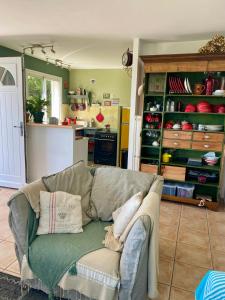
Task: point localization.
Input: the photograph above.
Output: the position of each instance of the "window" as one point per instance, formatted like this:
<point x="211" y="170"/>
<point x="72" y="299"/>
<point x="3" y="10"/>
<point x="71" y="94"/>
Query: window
<point x="46" y="87"/>
<point x="6" y="78"/>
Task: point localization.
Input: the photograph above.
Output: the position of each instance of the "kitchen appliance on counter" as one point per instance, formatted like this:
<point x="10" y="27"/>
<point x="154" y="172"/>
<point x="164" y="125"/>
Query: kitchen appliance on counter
<point x="105" y="150"/>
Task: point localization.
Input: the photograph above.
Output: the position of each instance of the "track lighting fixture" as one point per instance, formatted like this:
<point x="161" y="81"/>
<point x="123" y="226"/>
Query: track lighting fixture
<point x="43" y="50"/>
<point x="52" y="50"/>
<point x="41" y="47"/>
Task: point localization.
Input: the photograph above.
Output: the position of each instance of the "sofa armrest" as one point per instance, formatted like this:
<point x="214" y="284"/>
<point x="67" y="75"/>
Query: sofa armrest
<point x="134" y="261"/>
<point x="18" y="222"/>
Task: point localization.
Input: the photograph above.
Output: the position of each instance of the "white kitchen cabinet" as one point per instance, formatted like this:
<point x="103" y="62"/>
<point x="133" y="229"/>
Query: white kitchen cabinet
<point x="52" y="148"/>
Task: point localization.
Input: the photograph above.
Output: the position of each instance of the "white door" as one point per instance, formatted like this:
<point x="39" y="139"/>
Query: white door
<point x="12" y="150"/>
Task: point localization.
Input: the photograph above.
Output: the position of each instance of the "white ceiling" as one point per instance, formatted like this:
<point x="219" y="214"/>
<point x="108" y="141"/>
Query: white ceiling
<point x="94" y="33"/>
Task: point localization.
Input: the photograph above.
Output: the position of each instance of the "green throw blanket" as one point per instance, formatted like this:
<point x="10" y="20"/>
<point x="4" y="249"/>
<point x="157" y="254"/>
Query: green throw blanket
<point x="50" y="256"/>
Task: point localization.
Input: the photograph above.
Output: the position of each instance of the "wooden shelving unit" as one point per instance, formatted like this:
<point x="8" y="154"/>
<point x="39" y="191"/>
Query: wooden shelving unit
<point x="193" y="67"/>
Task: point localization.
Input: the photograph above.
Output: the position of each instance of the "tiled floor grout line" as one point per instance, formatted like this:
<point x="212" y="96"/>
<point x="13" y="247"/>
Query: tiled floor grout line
<point x="210" y="248"/>
<point x="178" y="227"/>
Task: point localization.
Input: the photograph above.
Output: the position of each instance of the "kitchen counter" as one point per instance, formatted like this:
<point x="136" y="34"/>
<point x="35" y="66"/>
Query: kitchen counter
<point x="76" y="127"/>
<point x="52" y="148"/>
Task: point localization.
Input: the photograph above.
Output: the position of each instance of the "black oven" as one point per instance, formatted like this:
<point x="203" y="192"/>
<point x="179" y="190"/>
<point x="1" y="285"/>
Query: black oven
<point x="105" y="151"/>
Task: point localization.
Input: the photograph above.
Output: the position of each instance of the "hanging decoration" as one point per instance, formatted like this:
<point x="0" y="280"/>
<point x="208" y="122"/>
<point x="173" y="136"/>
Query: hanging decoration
<point x="215" y="46"/>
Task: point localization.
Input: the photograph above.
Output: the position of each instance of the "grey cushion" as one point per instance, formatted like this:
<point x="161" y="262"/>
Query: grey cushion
<point x="76" y="180"/>
<point x="112" y="187"/>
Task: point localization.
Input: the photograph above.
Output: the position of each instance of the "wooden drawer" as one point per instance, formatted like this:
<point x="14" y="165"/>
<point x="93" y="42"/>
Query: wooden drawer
<point x="177" y="134"/>
<point x="149" y="168"/>
<point x="205" y="136"/>
<point x="175" y="173"/>
<point x="178" y="144"/>
<point x="207" y="146"/>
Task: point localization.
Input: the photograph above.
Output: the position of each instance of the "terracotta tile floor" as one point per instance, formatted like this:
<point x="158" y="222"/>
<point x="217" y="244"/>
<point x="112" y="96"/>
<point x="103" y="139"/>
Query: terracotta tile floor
<point x="192" y="240"/>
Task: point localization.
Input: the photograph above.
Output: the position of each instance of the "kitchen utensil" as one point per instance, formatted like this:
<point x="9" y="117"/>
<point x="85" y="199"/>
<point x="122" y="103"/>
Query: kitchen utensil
<point x="166" y="157"/>
<point x="188" y="86"/>
<point x="214" y="127"/>
<point x="219" y="93"/>
<point x="201" y="127"/>
<point x="100" y="118"/>
<point x="204" y="107"/>
<point x="155" y="143"/>
<point x="211" y="84"/>
<point x="190" y="108"/>
<point x="187" y="126"/>
<point x="222" y="83"/>
<point x="74" y="107"/>
<point x="71" y="92"/>
<point x="199" y="88"/>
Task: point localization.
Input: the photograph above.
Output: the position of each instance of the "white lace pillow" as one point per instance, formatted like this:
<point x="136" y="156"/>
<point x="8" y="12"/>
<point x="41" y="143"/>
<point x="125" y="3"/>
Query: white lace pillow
<point x="124" y="214"/>
<point x="60" y="212"/>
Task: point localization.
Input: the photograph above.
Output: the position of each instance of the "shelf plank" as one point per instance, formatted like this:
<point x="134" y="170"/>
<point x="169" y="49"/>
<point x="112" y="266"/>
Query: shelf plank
<point x="194" y="96"/>
<point x="151" y="129"/>
<point x="154" y="94"/>
<point x="204" y="167"/>
<point x="150" y="146"/>
<point x="150" y="157"/>
<point x="193" y="113"/>
<point x="211" y="205"/>
<point x="212" y="184"/>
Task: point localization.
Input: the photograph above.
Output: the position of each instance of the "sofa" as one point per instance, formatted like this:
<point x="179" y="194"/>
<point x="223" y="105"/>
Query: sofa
<point x="103" y="274"/>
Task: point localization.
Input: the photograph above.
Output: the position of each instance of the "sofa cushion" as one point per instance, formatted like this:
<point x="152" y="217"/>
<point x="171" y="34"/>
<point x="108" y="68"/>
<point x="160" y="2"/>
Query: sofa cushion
<point x="112" y="187"/>
<point x="76" y="180"/>
<point x="60" y="213"/>
<point x="124" y="214"/>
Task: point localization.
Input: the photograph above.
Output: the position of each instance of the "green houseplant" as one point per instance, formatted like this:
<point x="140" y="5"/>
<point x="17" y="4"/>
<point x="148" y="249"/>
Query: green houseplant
<point x="35" y="106"/>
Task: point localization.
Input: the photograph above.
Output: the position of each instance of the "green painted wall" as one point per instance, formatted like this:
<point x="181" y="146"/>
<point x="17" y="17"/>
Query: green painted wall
<point x="39" y="65"/>
<point x="113" y="81"/>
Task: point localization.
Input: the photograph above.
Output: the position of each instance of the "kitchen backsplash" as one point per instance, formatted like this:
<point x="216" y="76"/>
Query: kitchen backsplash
<point x="111" y="115"/>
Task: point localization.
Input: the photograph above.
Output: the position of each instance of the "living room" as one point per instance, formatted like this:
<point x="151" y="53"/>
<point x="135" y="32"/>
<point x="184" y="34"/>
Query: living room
<point x="112" y="123"/>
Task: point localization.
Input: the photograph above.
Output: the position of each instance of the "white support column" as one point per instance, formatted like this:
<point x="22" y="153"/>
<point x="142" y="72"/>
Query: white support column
<point x="135" y="108"/>
<point x="131" y="147"/>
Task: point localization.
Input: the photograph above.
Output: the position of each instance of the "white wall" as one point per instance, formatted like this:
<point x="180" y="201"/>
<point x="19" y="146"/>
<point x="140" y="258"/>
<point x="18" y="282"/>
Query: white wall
<point x="153" y="48"/>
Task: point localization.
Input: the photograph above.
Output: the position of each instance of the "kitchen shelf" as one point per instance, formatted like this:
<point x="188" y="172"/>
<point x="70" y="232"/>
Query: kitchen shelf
<point x="203" y="167"/>
<point x="78" y="97"/>
<point x="194" y="96"/>
<point x="154" y="94"/>
<point x="193" y="113"/>
<point x="210" y="184"/>
<point x="213" y="205"/>
<point x="150" y="158"/>
<point x="152" y="112"/>
<point x="151" y="129"/>
<point x="150" y="146"/>
<point x="169" y="67"/>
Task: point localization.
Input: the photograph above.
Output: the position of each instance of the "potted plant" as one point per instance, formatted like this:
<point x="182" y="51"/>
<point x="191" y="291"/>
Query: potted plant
<point x="35" y="106"/>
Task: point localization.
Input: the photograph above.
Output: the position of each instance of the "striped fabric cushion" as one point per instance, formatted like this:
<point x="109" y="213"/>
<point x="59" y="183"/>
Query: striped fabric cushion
<point x="212" y="286"/>
<point x="60" y="212"/>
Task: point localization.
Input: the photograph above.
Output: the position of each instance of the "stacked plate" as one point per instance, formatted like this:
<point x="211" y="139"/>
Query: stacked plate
<point x="214" y="127"/>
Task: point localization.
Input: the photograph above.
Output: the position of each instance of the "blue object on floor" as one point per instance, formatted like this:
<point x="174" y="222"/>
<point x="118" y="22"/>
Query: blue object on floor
<point x="211" y="287"/>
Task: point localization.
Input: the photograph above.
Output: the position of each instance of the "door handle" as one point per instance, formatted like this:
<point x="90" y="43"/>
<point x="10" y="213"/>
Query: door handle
<point x="20" y="127"/>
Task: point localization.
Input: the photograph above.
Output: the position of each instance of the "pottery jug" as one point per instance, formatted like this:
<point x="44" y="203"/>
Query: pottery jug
<point x="199" y="88"/>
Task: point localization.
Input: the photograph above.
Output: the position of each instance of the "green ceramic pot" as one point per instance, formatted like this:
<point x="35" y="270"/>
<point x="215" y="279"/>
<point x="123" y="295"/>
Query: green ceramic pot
<point x="38" y="117"/>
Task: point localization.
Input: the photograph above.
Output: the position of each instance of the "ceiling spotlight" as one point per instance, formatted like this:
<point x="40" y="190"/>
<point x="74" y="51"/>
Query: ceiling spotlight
<point x="43" y="50"/>
<point x="52" y="50"/>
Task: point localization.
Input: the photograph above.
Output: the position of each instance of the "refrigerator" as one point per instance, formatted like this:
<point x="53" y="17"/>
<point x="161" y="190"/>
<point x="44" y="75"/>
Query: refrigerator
<point x="124" y="136"/>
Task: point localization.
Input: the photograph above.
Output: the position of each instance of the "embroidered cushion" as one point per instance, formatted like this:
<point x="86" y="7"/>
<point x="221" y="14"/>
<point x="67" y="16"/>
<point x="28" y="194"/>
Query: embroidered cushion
<point x="60" y="212"/>
<point x="124" y="214"/>
<point x="76" y="180"/>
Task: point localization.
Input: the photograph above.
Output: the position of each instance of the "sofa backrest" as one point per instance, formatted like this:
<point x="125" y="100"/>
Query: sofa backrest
<point x="112" y="187"/>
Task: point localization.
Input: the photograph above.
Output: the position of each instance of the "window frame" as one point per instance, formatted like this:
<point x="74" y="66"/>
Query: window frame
<point x="45" y="76"/>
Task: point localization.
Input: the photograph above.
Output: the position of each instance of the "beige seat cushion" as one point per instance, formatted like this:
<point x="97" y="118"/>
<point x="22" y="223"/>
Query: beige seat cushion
<point x="97" y="275"/>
